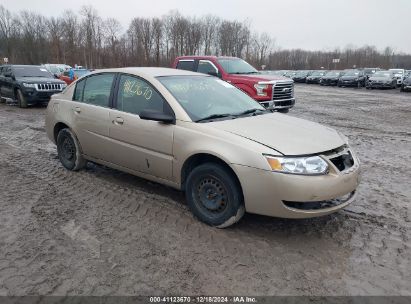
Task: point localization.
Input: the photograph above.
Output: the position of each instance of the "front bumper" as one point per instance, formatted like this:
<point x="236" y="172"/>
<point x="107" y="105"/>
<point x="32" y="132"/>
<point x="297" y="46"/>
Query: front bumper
<point x="285" y="195"/>
<point x="34" y="96"/>
<point x="313" y="80"/>
<point x="406" y="87"/>
<point x="379" y="85"/>
<point x="279" y="104"/>
<point x="348" y="83"/>
<point x="330" y="82"/>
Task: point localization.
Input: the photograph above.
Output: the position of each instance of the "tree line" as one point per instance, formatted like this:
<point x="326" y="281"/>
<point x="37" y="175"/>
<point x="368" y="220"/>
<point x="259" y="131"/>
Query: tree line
<point x="87" y="39"/>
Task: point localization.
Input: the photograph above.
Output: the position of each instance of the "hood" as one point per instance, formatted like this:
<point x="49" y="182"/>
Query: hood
<point x="39" y="80"/>
<point x="330" y="77"/>
<point x="283" y="133"/>
<point x="255" y="77"/>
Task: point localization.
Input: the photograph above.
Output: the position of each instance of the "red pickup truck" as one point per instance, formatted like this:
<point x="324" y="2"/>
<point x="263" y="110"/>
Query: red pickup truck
<point x="273" y="92"/>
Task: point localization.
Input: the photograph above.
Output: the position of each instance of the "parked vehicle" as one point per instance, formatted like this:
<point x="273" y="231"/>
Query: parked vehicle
<point x="56" y="69"/>
<point x="406" y="84"/>
<point x="381" y="80"/>
<point x="331" y="78"/>
<point x="290" y="74"/>
<point x="353" y="78"/>
<point x="76" y="74"/>
<point x="202" y="135"/>
<point x="277" y="73"/>
<point x="315" y="77"/>
<point x="370" y="71"/>
<point x="399" y="73"/>
<point x="273" y="92"/>
<point x="301" y="76"/>
<point x="28" y="84"/>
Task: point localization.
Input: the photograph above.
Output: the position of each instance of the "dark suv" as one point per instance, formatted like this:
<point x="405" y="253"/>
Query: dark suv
<point x="28" y="84"/>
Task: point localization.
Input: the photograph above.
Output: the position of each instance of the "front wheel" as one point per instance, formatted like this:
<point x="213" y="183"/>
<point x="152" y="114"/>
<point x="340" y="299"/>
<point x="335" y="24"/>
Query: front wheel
<point x="21" y="100"/>
<point x="284" y="111"/>
<point x="68" y="150"/>
<point x="214" y="196"/>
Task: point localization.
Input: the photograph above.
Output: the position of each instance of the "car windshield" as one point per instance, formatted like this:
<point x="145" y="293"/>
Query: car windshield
<point x="352" y="73"/>
<point x="318" y="74"/>
<point x="236" y="66"/>
<point x="31" y="71"/>
<point x="382" y="74"/>
<point x="333" y="73"/>
<point x="203" y="97"/>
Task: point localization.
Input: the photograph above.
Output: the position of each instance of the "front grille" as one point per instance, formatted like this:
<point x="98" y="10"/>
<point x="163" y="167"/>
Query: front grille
<point x="283" y="90"/>
<point x="49" y="87"/>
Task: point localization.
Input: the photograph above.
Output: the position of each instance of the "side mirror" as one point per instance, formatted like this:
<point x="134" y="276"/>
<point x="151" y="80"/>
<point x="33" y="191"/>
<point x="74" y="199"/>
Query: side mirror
<point x="157" y="116"/>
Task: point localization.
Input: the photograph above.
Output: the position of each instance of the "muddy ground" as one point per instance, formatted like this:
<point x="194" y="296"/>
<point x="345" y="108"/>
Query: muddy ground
<point x="100" y="231"/>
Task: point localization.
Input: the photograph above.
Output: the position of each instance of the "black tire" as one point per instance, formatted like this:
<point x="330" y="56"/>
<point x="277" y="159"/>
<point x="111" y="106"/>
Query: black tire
<point x="68" y="150"/>
<point x="359" y="85"/>
<point x="284" y="111"/>
<point x="214" y="196"/>
<point x="1" y="98"/>
<point x="401" y="90"/>
<point x="21" y="100"/>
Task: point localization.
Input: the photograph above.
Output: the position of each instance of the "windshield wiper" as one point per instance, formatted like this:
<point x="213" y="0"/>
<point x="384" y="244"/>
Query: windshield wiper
<point x="213" y="116"/>
<point x="251" y="111"/>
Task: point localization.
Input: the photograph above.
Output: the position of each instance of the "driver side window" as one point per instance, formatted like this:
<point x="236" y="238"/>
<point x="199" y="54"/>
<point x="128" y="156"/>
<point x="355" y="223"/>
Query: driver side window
<point x="136" y="95"/>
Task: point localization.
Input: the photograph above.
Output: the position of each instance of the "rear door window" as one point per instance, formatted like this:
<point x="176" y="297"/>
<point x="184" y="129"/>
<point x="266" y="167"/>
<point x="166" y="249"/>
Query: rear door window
<point x="97" y="89"/>
<point x="78" y="91"/>
<point x="186" y="65"/>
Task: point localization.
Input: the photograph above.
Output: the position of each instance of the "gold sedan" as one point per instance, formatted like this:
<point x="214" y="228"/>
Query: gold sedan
<point x="202" y="135"/>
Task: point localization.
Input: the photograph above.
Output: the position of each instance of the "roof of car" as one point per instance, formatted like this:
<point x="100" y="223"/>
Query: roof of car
<point x="150" y="71"/>
<point x="205" y="57"/>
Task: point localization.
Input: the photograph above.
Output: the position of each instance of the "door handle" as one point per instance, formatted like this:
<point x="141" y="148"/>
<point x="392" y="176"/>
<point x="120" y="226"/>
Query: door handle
<point x="77" y="109"/>
<point x="118" y="121"/>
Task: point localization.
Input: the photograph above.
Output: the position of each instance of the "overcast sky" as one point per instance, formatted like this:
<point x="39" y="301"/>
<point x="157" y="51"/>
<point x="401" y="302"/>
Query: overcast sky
<point x="307" y="24"/>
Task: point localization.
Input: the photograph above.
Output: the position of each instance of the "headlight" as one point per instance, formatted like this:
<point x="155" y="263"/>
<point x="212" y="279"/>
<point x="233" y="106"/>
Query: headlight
<point x="260" y="89"/>
<point x="63" y="85"/>
<point x="29" y="85"/>
<point x="312" y="165"/>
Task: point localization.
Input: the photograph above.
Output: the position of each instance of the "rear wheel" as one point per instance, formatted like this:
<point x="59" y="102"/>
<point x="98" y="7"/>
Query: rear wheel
<point x="21" y="100"/>
<point x="68" y="150"/>
<point x="214" y="195"/>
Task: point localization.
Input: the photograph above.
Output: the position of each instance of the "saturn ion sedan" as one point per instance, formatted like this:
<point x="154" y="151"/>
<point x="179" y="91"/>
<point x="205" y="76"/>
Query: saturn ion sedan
<point x="202" y="135"/>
